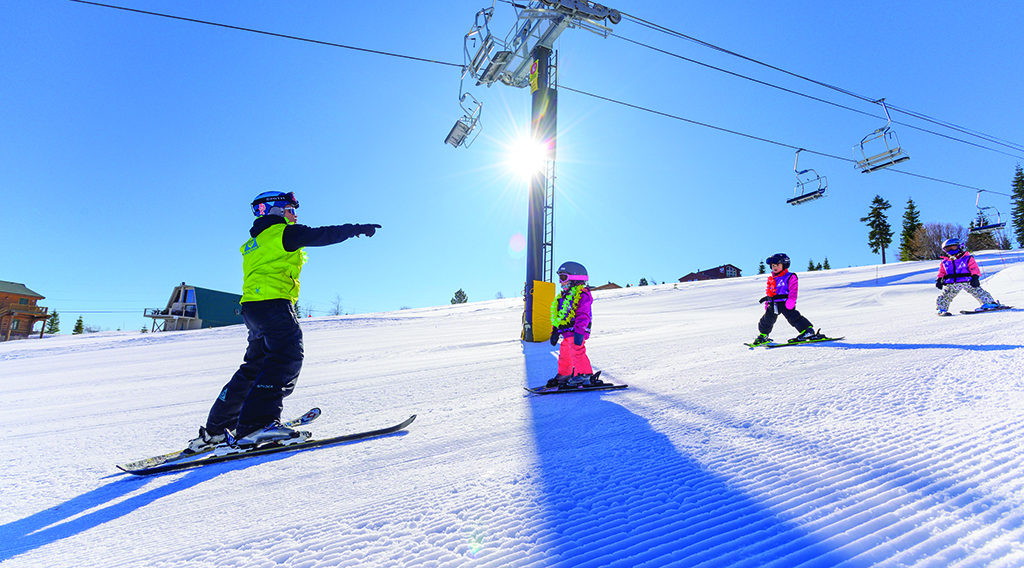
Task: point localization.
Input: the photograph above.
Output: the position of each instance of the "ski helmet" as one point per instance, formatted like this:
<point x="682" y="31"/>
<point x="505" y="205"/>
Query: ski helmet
<point x="778" y="258"/>
<point x="266" y="202"/>
<point x="951" y="243"/>
<point x="572" y="271"/>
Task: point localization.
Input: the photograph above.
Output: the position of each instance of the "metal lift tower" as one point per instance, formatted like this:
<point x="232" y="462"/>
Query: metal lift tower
<point x="524" y="59"/>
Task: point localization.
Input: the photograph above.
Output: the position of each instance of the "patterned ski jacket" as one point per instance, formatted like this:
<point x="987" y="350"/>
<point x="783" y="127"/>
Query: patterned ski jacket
<point x="782" y="288"/>
<point x="958" y="268"/>
<point x="581" y="323"/>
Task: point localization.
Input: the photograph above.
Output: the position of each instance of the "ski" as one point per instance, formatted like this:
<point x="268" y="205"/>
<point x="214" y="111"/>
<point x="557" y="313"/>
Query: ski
<point x="981" y="311"/>
<point x="773" y="345"/>
<point x="270" y="448"/>
<point x="556" y="390"/>
<point x="154" y="461"/>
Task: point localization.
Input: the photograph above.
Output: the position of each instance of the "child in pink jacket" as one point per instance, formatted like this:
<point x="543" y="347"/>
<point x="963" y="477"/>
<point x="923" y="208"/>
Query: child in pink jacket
<point x="570" y="320"/>
<point x="782" y="289"/>
<point x="958" y="271"/>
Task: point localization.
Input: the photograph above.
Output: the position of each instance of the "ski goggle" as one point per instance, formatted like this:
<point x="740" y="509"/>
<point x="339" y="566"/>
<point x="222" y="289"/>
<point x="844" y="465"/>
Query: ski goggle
<point x="290" y="210"/>
<point x="563" y="277"/>
<point x="288" y="198"/>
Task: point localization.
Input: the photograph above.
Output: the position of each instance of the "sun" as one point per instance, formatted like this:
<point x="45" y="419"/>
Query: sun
<point x="526" y="157"/>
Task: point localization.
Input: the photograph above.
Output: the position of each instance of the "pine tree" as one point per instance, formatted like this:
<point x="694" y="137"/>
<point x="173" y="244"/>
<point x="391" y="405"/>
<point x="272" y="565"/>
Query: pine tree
<point x="911" y="222"/>
<point x="460" y="297"/>
<point x="79" y="327"/>
<point x="643" y="282"/>
<point x="810" y="265"/>
<point x="826" y="266"/>
<point x="761" y="268"/>
<point x="53" y="324"/>
<point x="881" y="233"/>
<point x="1017" y="213"/>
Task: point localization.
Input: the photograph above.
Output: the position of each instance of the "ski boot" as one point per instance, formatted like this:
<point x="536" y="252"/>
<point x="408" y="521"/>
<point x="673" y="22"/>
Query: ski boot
<point x="273" y="432"/>
<point x="806" y="335"/>
<point x="556" y="381"/>
<point x="206" y="441"/>
<point x="578" y="381"/>
<point x="761" y="339"/>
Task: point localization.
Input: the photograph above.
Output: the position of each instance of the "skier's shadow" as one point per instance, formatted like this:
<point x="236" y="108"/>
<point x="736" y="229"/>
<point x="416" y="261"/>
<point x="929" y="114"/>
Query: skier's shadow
<point x="613" y="485"/>
<point x="63" y="521"/>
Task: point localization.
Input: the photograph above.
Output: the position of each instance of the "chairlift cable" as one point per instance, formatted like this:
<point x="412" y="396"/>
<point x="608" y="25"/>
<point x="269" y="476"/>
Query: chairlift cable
<point x="914" y="114"/>
<point x="769" y="141"/>
<point x="285" y="36"/>
<point x="818" y="99"/>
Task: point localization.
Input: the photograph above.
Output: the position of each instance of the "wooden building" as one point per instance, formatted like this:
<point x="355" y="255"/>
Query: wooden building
<point x="724" y="271"/>
<point x="192" y="307"/>
<point x="19" y="312"/>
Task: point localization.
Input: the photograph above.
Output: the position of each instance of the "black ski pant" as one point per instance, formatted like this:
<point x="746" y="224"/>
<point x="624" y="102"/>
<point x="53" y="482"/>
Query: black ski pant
<point x="772" y="314"/>
<point x="254" y="397"/>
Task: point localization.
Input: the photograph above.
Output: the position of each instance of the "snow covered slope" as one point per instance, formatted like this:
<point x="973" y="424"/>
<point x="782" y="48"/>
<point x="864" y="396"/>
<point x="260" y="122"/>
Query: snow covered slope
<point x="900" y="445"/>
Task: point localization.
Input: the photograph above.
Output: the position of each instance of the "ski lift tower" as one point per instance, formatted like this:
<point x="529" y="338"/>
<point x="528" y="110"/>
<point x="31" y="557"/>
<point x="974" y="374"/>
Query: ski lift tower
<point x="524" y="59"/>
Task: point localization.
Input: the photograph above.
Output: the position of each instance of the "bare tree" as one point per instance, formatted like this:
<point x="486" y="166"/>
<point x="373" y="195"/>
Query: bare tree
<point x="335" y="309"/>
<point x="927" y="241"/>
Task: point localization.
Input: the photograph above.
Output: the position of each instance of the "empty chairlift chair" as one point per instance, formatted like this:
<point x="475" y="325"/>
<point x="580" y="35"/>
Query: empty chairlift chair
<point x="983" y="224"/>
<point x="809" y="185"/>
<point x="880" y="149"/>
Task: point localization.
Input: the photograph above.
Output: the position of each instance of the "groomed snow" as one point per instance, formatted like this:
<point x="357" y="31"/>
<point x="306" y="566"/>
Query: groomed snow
<point x="900" y="445"/>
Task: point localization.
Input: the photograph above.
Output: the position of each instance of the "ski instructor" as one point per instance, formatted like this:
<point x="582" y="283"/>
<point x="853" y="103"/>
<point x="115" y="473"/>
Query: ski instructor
<point x="250" y="403"/>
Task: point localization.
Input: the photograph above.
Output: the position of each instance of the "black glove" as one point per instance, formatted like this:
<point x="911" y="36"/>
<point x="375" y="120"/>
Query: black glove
<point x="975" y="281"/>
<point x="554" y="336"/>
<point x="577" y="338"/>
<point x="938" y="283"/>
<point x="367" y="230"/>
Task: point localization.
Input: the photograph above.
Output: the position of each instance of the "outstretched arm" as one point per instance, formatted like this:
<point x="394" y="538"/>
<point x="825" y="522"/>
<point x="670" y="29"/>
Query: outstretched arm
<point x="298" y="236"/>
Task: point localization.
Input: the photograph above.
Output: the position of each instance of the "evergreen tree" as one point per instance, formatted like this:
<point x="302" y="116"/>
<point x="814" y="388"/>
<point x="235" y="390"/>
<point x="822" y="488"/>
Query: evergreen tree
<point x="1017" y="213"/>
<point x="760" y="268"/>
<point x="53" y="324"/>
<point x="881" y="233"/>
<point x="460" y="297"/>
<point x="643" y="282"/>
<point x="980" y="241"/>
<point x="911" y="222"/>
<point x="826" y="266"/>
<point x="79" y="327"/>
<point x="810" y="266"/>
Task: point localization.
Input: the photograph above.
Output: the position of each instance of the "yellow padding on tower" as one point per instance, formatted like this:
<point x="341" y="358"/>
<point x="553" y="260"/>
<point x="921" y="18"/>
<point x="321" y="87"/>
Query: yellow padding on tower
<point x="540" y="319"/>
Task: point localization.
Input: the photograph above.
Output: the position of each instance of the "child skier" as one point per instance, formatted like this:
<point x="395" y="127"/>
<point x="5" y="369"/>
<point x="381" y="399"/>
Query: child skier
<point x="959" y="271"/>
<point x="570" y="319"/>
<point x="781" y="298"/>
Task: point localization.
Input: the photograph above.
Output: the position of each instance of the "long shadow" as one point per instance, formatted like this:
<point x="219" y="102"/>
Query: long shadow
<point x="845" y="345"/>
<point x="618" y="493"/>
<point x="108" y="502"/>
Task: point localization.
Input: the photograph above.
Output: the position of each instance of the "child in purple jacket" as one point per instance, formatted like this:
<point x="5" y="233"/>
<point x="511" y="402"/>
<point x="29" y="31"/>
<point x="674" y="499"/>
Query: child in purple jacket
<point x="959" y="272"/>
<point x="570" y="319"/>
<point x="781" y="299"/>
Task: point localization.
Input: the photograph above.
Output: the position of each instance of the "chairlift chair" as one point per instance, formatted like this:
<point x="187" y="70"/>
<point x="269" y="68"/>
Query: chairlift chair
<point x="809" y="187"/>
<point x="986" y="227"/>
<point x="467" y="124"/>
<point x="893" y="153"/>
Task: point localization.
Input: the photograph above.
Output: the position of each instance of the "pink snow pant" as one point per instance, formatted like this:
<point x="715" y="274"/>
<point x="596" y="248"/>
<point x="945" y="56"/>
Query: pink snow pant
<point x="573" y="357"/>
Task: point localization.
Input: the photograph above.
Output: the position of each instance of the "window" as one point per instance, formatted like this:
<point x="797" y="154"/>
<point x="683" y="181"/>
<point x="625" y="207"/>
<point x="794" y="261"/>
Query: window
<point x="15" y="324"/>
<point x="23" y="301"/>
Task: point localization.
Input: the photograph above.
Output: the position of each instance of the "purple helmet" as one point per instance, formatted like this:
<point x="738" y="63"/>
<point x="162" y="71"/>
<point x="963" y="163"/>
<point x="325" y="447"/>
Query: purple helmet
<point x="266" y="202"/>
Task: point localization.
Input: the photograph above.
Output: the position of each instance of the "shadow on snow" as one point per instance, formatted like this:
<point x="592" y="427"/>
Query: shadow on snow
<point x="109" y="502"/>
<point x="620" y="494"/>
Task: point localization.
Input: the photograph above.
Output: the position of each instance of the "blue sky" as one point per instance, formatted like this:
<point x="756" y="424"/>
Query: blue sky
<point x="133" y="144"/>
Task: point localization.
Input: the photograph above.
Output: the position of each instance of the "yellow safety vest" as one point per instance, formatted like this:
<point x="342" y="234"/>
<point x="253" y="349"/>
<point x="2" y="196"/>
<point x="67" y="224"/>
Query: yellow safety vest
<point x="271" y="273"/>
